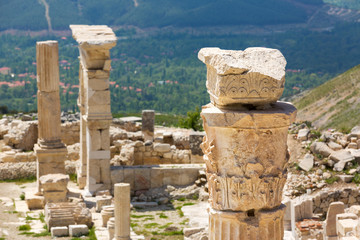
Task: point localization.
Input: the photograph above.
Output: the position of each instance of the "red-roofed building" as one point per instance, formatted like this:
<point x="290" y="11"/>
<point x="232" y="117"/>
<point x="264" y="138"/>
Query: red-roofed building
<point x="21" y="75"/>
<point x="5" y="70"/>
<point x="138" y="90"/>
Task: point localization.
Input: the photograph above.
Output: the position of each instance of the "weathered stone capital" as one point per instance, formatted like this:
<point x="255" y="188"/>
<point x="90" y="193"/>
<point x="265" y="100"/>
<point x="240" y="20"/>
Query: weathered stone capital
<point x="255" y="76"/>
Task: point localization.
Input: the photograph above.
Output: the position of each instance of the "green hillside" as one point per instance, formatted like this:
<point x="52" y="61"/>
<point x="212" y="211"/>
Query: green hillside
<point x="30" y="14"/>
<point x="334" y="104"/>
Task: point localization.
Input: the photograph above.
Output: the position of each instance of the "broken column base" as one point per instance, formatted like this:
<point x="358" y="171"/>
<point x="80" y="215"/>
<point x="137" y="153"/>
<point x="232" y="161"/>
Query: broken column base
<point x="251" y="225"/>
<point x="49" y="161"/>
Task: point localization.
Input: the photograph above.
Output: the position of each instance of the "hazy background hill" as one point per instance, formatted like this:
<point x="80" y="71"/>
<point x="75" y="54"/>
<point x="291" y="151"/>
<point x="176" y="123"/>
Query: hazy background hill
<point x="31" y="14"/>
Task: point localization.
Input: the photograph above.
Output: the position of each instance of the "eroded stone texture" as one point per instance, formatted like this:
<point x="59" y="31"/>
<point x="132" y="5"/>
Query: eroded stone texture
<point x="253" y="76"/>
<point x="49" y="149"/>
<point x="148" y="123"/>
<point x="95" y="43"/>
<point x="245" y="148"/>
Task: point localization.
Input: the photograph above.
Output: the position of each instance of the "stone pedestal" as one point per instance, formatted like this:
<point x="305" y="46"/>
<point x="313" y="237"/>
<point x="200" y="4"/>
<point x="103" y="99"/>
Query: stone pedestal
<point x="95" y="43"/>
<point x="50" y="150"/>
<point x="245" y="147"/>
<point x="122" y="211"/>
<point x="148" y="123"/>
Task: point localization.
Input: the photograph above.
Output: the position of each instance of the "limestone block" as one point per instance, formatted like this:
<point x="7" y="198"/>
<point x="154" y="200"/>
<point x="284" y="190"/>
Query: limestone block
<point x="99" y="111"/>
<point x="8" y="156"/>
<point x="35" y="202"/>
<point x="97" y="74"/>
<point x="106" y="214"/>
<point x="355" y="209"/>
<point x="321" y="148"/>
<point x="156" y="176"/>
<point x="117" y="174"/>
<point x="253" y="76"/>
<point x="111" y="227"/>
<point x="162" y="147"/>
<point x="78" y="230"/>
<point x="105" y="139"/>
<point x="54" y="182"/>
<point x="97" y="84"/>
<point x="334" y="146"/>
<point x="342" y="156"/>
<point x="307" y="162"/>
<point x="98" y="98"/>
<point x="142" y="179"/>
<point x="346" y="223"/>
<point x="303" y="134"/>
<point x="334" y="209"/>
<point x="59" y="232"/>
<point x="129" y="176"/>
<point x="138" y="158"/>
<point x="102" y="201"/>
<point x="153" y="160"/>
<point x="55" y="196"/>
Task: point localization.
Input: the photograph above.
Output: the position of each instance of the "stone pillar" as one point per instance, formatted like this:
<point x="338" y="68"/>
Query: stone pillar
<point x="148" y="122"/>
<point x="122" y="211"/>
<point x="82" y="169"/>
<point x="245" y="147"/>
<point x="50" y="151"/>
<point x="95" y="43"/>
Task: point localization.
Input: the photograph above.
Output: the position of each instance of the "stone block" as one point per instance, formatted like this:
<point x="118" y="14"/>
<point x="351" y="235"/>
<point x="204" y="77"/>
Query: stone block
<point x="303" y="134"/>
<point x="152" y="160"/>
<point x="355" y="209"/>
<point x="54" y="182"/>
<point x="117" y="174"/>
<point x="335" y="208"/>
<point x="157" y="175"/>
<point x="98" y="98"/>
<point x="59" y="232"/>
<point x="307" y="162"/>
<point x="129" y="176"/>
<point x="78" y="230"/>
<point x="162" y="147"/>
<point x="55" y="196"/>
<point x="35" y="202"/>
<point x="105" y="139"/>
<point x="142" y="179"/>
<point x="195" y="140"/>
<point x="102" y="201"/>
<point x="98" y="84"/>
<point x="346" y="223"/>
<point x="98" y="155"/>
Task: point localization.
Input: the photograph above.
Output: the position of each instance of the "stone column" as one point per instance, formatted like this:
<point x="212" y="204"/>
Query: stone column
<point x="50" y="151"/>
<point x="122" y="211"/>
<point x="95" y="43"/>
<point x="245" y="147"/>
<point x="148" y="122"/>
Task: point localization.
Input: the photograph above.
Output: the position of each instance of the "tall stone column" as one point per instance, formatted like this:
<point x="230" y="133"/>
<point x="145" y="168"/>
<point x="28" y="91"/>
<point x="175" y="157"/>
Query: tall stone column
<point x="95" y="43"/>
<point x="50" y="151"/>
<point x="245" y="147"/>
<point x="122" y="211"/>
<point x="148" y="124"/>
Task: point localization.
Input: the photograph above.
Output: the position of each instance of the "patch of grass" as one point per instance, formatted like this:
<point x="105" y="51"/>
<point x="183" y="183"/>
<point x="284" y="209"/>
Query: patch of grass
<point x="22" y="196"/>
<point x="92" y="235"/>
<point x="26" y="233"/>
<point x="151" y="225"/>
<point x="180" y="212"/>
<point x="140" y="216"/>
<point x="166" y="225"/>
<point x="170" y="233"/>
<point x="42" y="234"/>
<point x="12" y="212"/>
<point x="1" y="238"/>
<point x="73" y="177"/>
<point x="182" y="199"/>
<point x="195" y="197"/>
<point x="188" y="204"/>
<point x="162" y="215"/>
<point x="332" y="180"/>
<point x="42" y="217"/>
<point x="132" y="225"/>
<point x="184" y="222"/>
<point x="356" y="178"/>
<point x="20" y="181"/>
<point x="25" y="227"/>
<point x="149" y="218"/>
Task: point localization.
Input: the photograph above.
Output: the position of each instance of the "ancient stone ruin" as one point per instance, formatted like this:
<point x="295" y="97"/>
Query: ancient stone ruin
<point x="246" y="142"/>
<point x="95" y="43"/>
<point x="50" y="151"/>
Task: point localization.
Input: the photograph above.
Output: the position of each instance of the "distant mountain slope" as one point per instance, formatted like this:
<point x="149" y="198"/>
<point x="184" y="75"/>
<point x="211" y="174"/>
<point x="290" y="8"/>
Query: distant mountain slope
<point x="30" y="14"/>
<point x="334" y="104"/>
